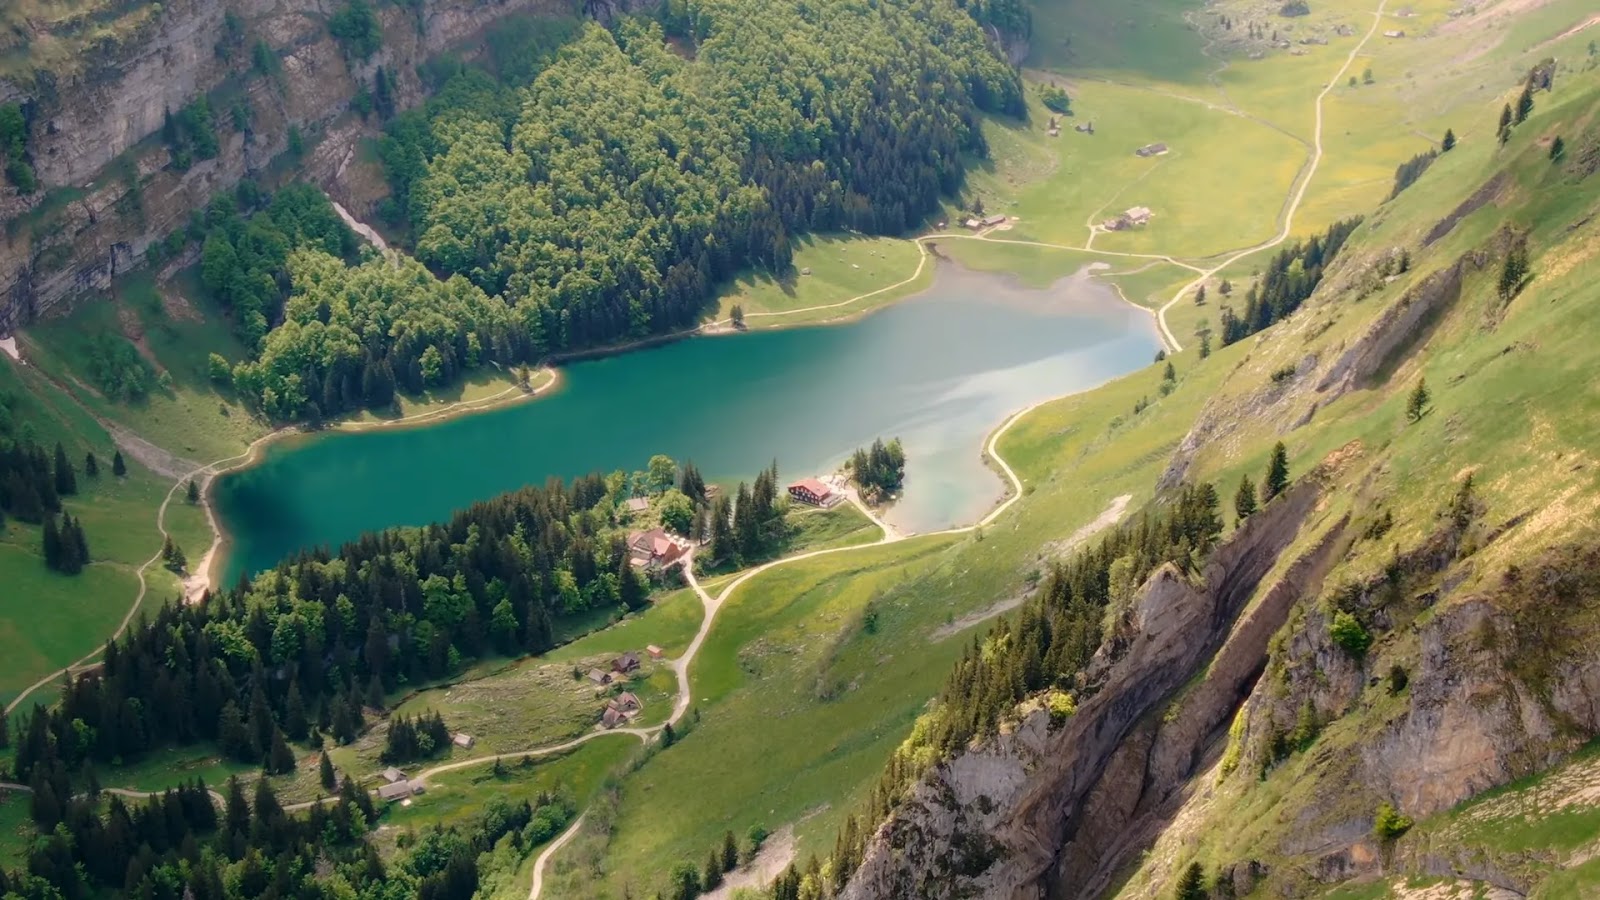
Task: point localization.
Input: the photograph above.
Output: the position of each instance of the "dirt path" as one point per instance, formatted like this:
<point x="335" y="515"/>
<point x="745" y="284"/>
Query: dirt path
<point x="1302" y="184"/>
<point x="183" y="471"/>
<point x="1107" y="518"/>
<point x="776" y="853"/>
<point x="722" y="326"/>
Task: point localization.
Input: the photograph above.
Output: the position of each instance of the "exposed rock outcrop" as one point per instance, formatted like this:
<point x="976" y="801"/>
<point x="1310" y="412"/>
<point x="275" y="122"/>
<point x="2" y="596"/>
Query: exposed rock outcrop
<point x="107" y="192"/>
<point x="992" y="821"/>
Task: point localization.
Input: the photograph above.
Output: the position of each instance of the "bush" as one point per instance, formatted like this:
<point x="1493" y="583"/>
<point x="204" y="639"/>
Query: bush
<point x="1348" y="632"/>
<point x="1295" y="8"/>
<point x="1057" y="101"/>
<point x="1388" y="824"/>
<point x="356" y="29"/>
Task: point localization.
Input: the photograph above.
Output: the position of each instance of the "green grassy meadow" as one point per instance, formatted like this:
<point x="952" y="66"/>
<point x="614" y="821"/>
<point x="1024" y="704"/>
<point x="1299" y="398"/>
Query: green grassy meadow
<point x="842" y="269"/>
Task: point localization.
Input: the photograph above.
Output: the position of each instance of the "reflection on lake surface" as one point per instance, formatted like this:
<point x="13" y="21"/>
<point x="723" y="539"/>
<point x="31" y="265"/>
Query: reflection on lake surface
<point x="940" y="371"/>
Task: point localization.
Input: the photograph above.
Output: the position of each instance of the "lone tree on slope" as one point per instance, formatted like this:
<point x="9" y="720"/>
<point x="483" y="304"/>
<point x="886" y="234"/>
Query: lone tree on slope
<point x="1277" y="474"/>
<point x="1244" y="502"/>
<point x="1192" y="886"/>
<point x="1449" y="142"/>
<point x="1417" y="404"/>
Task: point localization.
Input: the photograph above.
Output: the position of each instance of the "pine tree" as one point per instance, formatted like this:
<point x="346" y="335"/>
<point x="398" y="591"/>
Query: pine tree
<point x="1277" y="474"/>
<point x="192" y="494"/>
<point x="1417" y="404"/>
<point x="1503" y="132"/>
<point x="1170" y="374"/>
<point x="631" y="587"/>
<point x="280" y="759"/>
<point x="1558" y="149"/>
<point x="1524" y="104"/>
<point x="668" y="735"/>
<point x="730" y="852"/>
<point x="1200" y="296"/>
<point x="91" y="466"/>
<point x="52" y="544"/>
<point x="119" y="467"/>
<point x="295" y="722"/>
<point x="1449" y="142"/>
<point x="711" y="875"/>
<point x="1205" y="345"/>
<point x="1514" y="271"/>
<point x="1244" y="500"/>
<point x="66" y="479"/>
<point x="1192" y="885"/>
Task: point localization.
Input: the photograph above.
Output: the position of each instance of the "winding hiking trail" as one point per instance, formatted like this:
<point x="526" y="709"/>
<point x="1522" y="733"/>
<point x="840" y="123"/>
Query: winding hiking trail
<point x="712" y="605"/>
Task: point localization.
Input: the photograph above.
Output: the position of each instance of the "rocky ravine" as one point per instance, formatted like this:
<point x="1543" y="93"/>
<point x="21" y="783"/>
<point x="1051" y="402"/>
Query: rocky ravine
<point x="993" y="822"/>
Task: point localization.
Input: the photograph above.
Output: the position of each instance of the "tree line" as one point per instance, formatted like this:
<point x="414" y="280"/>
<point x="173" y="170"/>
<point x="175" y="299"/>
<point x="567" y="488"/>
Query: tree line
<point x="1290" y="278"/>
<point x="179" y="844"/>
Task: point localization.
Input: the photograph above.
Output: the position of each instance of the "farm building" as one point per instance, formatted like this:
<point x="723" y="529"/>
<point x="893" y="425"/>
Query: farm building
<point x="992" y="221"/>
<point x="654" y="651"/>
<point x="1149" y="150"/>
<point x="654" y="548"/>
<point x="814" y="492"/>
<point x="598" y="677"/>
<point x="637" y="505"/>
<point x="626" y="664"/>
<point x="463" y="740"/>
<point x="393" y="775"/>
<point x="399" y="790"/>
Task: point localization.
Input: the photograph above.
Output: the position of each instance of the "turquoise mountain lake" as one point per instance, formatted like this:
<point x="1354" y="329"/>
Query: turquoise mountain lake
<point x="939" y="371"/>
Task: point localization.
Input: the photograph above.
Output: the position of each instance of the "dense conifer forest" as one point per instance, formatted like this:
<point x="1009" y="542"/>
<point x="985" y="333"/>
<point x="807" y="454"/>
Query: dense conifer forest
<point x="1291" y="276"/>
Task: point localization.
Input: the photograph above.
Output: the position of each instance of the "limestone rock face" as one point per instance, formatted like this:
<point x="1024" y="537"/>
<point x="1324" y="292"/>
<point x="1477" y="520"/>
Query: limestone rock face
<point x="96" y="135"/>
<point x="1493" y="695"/>
<point x="994" y="821"/>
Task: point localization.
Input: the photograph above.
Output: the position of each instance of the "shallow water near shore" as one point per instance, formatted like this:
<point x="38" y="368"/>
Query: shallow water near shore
<point x="940" y="371"/>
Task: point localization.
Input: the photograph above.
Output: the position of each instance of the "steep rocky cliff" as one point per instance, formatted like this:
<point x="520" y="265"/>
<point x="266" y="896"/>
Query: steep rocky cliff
<point x="108" y="188"/>
<point x="1009" y="817"/>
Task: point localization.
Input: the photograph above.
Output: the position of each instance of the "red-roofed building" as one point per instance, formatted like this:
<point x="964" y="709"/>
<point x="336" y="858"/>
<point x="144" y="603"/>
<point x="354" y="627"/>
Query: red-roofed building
<point x="654" y="548"/>
<point x="812" y="491"/>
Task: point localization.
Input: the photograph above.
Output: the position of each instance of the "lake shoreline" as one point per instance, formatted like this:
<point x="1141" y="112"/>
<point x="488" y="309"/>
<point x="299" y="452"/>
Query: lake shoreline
<point x="216" y="562"/>
<point x="206" y="575"/>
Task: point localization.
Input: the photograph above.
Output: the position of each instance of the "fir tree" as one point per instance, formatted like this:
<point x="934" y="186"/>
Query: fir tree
<point x="192" y="493"/>
<point x="1277" y="479"/>
<point x="1524" y="104"/>
<point x="1503" y="132"/>
<point x="1558" y="149"/>
<point x="1244" y="500"/>
<point x="1449" y="142"/>
<point x="91" y="466"/>
<point x="1192" y="884"/>
<point x="119" y="467"/>
<point x="280" y="759"/>
<point x="295" y="722"/>
<point x="711" y="875"/>
<point x="1417" y="404"/>
<point x="66" y="479"/>
<point x="730" y="852"/>
<point x="326" y="774"/>
<point x="52" y="544"/>
<point x="1514" y="271"/>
